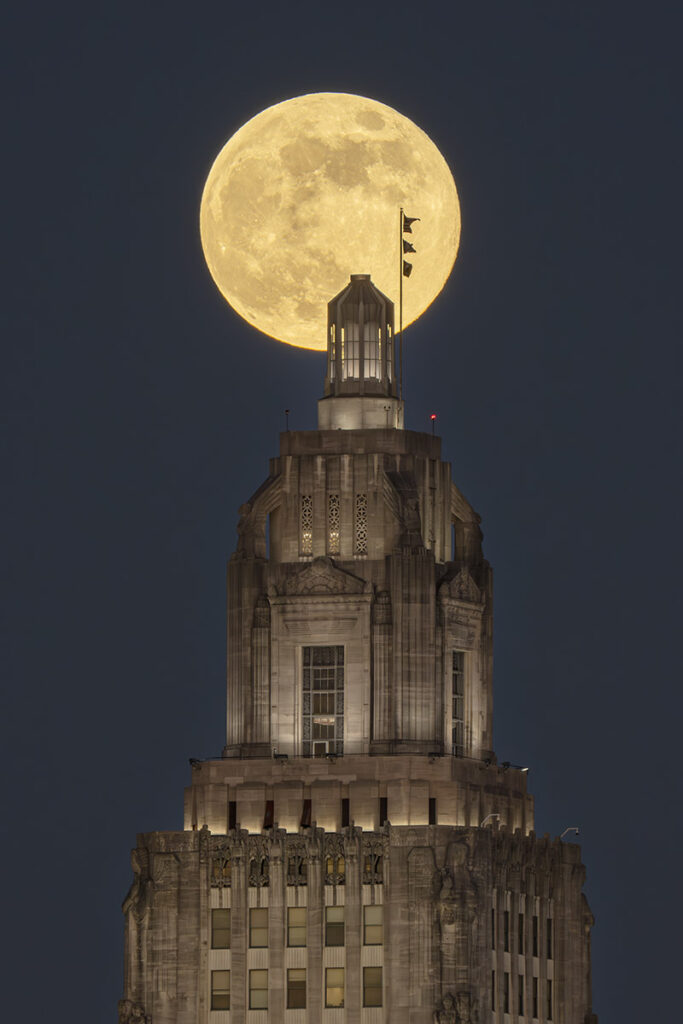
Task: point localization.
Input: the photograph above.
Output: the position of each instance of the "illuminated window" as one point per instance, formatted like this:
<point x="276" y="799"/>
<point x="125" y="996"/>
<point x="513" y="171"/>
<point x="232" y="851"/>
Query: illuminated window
<point x="351" y="350"/>
<point x="458" y="722"/>
<point x="221" y="871"/>
<point x="371" y="350"/>
<point x="296" y="926"/>
<point x="334" y="986"/>
<point x="258" y="990"/>
<point x="334" y="926"/>
<point x="335" y="871"/>
<point x="296" y="989"/>
<point x="372" y="986"/>
<point x="306" y="543"/>
<point x="220" y="990"/>
<point x="220" y="929"/>
<point x="390" y="354"/>
<point x="258" y="927"/>
<point x="333" y="351"/>
<point x="361" y="524"/>
<point x="373" y="925"/>
<point x="333" y="527"/>
<point x="323" y="701"/>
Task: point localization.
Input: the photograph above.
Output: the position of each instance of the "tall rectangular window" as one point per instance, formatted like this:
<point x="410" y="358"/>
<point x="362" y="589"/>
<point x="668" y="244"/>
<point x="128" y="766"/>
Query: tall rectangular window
<point x="232" y="814"/>
<point x="296" y="988"/>
<point x="520" y="995"/>
<point x="334" y="926"/>
<point x="506" y="992"/>
<point x="534" y="998"/>
<point x="432" y="810"/>
<point x="306" y="525"/>
<point x="372" y="986"/>
<point x="493" y="991"/>
<point x="220" y="990"/>
<point x="549" y="938"/>
<point x="258" y="927"/>
<point x="334" y="986"/>
<point x="371" y="349"/>
<point x="258" y="990"/>
<point x="296" y="926"/>
<point x="345" y="812"/>
<point x="220" y="929"/>
<point x="323" y="701"/>
<point x="383" y="814"/>
<point x="333" y="524"/>
<point x="373" y="925"/>
<point x="506" y="931"/>
<point x="351" y="350"/>
<point x="493" y="927"/>
<point x="361" y="524"/>
<point x="549" y="994"/>
<point x="534" y="936"/>
<point x="458" y="710"/>
<point x="520" y="934"/>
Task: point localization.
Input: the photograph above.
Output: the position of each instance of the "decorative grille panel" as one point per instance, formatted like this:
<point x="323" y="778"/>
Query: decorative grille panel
<point x="361" y="524"/>
<point x="333" y="524"/>
<point x="306" y="524"/>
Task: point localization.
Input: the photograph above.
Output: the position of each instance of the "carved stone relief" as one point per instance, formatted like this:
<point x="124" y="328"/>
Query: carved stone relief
<point x="323" y="577"/>
<point x="132" y="1013"/>
<point x="457" y="904"/>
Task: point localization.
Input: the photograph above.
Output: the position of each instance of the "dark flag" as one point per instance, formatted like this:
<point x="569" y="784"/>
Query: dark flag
<point x="407" y="268"/>
<point x="407" y="247"/>
<point x="407" y="221"/>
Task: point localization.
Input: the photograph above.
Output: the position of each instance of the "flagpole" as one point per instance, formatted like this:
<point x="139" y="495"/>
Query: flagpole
<point x="400" y="304"/>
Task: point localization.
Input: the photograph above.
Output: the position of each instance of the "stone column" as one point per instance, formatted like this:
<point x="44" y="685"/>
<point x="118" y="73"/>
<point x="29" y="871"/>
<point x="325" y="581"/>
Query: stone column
<point x="381" y="672"/>
<point x="260" y="675"/>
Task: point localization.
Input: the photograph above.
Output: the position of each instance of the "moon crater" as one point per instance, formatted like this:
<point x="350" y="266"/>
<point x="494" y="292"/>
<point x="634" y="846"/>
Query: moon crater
<point x="308" y="192"/>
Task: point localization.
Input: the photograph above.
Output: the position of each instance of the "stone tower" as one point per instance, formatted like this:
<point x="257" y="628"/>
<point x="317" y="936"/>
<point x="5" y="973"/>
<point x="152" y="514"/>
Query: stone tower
<point x="357" y="855"/>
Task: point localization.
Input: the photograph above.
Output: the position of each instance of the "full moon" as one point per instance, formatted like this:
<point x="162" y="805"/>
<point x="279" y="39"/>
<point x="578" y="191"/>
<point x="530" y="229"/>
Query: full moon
<point x="307" y="193"/>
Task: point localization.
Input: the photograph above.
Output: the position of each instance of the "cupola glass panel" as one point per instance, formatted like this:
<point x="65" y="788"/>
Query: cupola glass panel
<point x="360" y="344"/>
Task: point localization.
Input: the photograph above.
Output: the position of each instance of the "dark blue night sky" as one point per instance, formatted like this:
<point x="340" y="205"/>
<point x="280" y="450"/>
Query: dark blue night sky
<point x="141" y="413"/>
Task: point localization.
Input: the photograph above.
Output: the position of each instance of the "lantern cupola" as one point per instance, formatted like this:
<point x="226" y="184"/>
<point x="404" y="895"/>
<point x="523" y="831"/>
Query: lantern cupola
<point x="360" y="383"/>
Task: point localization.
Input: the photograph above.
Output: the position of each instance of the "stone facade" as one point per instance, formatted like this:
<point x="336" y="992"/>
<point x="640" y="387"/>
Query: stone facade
<point x="357" y="854"/>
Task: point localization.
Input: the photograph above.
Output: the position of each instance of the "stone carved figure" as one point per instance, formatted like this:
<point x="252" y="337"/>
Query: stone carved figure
<point x="458" y="1010"/>
<point x="445" y="1014"/>
<point x="457" y="911"/>
<point x="246" y="532"/>
<point x="463" y="587"/>
<point x="132" y="1013"/>
<point x="139" y="895"/>
<point x="466" y="1012"/>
